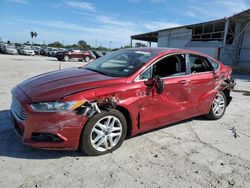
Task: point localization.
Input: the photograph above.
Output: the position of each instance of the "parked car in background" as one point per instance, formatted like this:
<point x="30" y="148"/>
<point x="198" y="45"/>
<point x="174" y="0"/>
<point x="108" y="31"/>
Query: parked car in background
<point x="10" y="49"/>
<point x="36" y="49"/>
<point x="97" y="54"/>
<point x="2" y="47"/>
<point x="26" y="50"/>
<point x="104" y="53"/>
<point x="19" y="48"/>
<point x="125" y="93"/>
<point x="42" y="51"/>
<point x="80" y="55"/>
<point x="52" y="51"/>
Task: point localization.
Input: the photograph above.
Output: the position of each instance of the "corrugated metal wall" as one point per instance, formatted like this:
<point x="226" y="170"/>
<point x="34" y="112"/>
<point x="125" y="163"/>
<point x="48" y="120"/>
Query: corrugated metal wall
<point x="180" y="37"/>
<point x="174" y="38"/>
<point x="244" y="58"/>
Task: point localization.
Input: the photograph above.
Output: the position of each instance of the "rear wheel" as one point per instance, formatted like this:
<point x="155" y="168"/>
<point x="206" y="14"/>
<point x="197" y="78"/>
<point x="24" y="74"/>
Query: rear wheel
<point x="218" y="107"/>
<point x="104" y="133"/>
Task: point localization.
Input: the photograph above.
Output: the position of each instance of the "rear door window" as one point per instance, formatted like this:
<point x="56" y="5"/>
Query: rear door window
<point x="199" y="64"/>
<point x="214" y="64"/>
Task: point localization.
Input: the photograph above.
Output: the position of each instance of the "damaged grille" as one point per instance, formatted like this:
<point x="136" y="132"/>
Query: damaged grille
<point x="17" y="110"/>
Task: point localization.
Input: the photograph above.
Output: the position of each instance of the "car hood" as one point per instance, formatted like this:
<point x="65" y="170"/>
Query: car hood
<point x="55" y="85"/>
<point x="11" y="49"/>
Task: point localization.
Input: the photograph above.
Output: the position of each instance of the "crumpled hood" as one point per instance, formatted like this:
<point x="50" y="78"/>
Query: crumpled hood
<point x="55" y="85"/>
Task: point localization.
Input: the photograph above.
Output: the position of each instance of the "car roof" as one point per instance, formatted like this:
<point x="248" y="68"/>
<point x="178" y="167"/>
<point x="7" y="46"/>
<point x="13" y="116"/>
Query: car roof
<point x="161" y="50"/>
<point x="157" y="50"/>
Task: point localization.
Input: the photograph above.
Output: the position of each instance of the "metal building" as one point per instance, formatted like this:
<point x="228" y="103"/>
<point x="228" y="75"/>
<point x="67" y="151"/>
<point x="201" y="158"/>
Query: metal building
<point x="226" y="39"/>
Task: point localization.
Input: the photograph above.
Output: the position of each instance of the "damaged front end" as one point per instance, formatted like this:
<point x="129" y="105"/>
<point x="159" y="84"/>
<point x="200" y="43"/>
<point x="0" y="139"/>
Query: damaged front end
<point x="90" y="108"/>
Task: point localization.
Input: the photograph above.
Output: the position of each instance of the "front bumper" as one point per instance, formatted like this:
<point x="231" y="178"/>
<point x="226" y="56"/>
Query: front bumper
<point x="29" y="53"/>
<point x="11" y="52"/>
<point x="52" y="130"/>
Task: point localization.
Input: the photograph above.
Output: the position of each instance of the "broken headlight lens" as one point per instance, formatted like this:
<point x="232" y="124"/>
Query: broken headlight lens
<point x="55" y="106"/>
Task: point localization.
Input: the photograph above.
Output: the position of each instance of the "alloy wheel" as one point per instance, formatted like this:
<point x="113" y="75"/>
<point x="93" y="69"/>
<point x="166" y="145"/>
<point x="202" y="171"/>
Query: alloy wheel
<point x="219" y="105"/>
<point x="106" y="133"/>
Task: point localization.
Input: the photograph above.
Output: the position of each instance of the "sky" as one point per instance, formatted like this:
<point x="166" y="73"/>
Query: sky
<point x="104" y="22"/>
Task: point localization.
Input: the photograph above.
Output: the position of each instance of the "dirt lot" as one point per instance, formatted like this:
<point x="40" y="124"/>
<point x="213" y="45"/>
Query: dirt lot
<point x="194" y="153"/>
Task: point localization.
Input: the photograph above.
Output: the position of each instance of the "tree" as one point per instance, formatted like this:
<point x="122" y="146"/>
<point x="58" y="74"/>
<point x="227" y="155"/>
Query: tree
<point x="33" y="34"/>
<point x="27" y="43"/>
<point x="126" y="46"/>
<point x="56" y="44"/>
<point x="139" y="45"/>
<point x="83" y="45"/>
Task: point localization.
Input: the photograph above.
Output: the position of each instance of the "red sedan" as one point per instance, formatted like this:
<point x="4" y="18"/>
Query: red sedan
<point x="127" y="92"/>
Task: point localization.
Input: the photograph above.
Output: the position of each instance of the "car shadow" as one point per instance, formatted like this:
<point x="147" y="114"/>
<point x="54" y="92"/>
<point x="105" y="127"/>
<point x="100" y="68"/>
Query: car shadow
<point x="179" y="123"/>
<point x="244" y="92"/>
<point x="11" y="144"/>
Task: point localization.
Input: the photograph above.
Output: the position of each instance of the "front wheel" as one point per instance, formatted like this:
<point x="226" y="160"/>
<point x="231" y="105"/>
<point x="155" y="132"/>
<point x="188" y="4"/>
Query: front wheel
<point x="104" y="133"/>
<point x="218" y="107"/>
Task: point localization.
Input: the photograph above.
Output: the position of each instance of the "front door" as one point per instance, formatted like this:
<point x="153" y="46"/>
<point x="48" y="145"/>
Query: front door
<point x="171" y="105"/>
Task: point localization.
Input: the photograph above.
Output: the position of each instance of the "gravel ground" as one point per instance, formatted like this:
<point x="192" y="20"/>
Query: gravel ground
<point x="193" y="153"/>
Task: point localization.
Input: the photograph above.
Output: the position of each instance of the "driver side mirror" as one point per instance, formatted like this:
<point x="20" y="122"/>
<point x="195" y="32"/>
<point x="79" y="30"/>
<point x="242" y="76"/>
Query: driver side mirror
<point x="159" y="85"/>
<point x="157" y="82"/>
<point x="150" y="82"/>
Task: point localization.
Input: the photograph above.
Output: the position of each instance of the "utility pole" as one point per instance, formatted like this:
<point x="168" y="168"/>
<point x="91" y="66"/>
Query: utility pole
<point x="110" y="43"/>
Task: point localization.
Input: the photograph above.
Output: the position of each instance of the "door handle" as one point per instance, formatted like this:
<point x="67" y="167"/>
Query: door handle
<point x="183" y="82"/>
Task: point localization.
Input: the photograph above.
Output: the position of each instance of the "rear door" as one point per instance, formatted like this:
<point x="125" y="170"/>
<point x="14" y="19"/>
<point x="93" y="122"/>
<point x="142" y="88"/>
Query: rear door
<point x="74" y="53"/>
<point x="202" y="84"/>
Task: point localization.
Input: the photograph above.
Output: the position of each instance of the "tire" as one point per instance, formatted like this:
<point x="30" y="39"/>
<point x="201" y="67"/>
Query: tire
<point x="218" y="107"/>
<point x="87" y="59"/>
<point x="66" y="58"/>
<point x="96" y="139"/>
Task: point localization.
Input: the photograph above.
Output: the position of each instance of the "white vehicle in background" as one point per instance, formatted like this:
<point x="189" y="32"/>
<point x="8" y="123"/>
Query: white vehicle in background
<point x="27" y="51"/>
<point x="10" y="49"/>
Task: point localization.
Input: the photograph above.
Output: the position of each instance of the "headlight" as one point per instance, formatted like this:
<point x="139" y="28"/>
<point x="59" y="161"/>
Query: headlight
<point x="55" y="106"/>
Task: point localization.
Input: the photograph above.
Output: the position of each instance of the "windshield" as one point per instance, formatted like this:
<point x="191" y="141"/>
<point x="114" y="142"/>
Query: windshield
<point x="121" y="63"/>
<point x="27" y="48"/>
